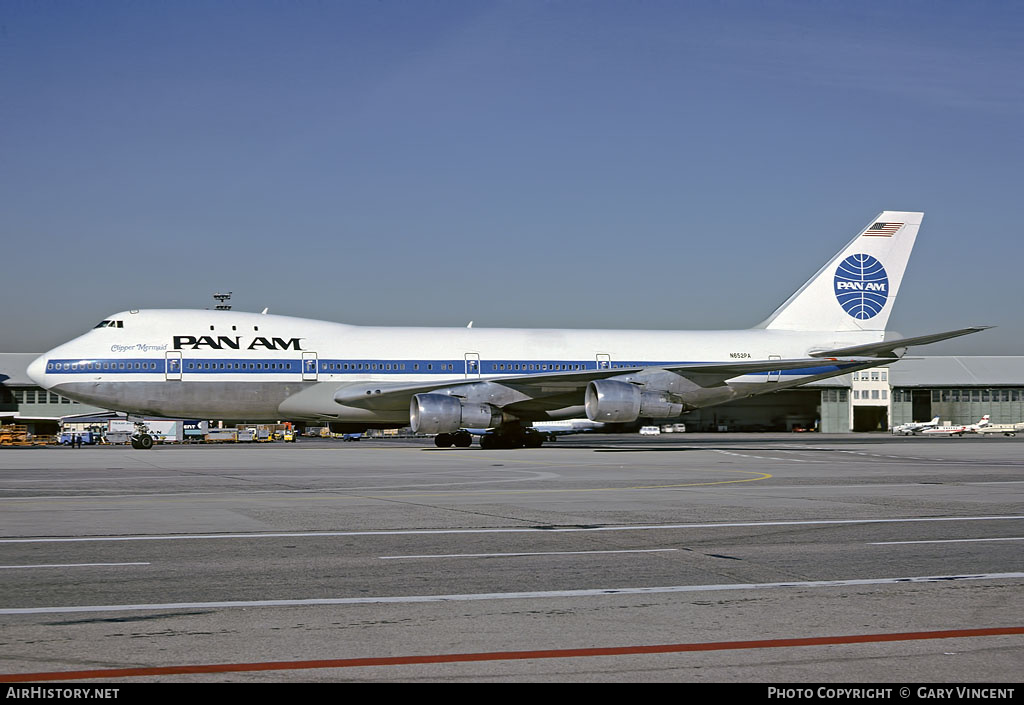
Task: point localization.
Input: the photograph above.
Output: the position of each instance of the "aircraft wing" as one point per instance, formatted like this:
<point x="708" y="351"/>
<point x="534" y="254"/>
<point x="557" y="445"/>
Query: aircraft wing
<point x="569" y="387"/>
<point x="888" y="348"/>
<point x="385" y="395"/>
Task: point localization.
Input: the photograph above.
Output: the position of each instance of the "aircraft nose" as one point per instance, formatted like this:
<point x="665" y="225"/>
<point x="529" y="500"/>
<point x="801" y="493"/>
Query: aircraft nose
<point x="37" y="371"/>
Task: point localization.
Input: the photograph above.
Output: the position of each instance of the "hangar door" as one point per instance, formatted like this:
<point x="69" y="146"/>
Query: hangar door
<point x="870" y="418"/>
<point x="835" y="411"/>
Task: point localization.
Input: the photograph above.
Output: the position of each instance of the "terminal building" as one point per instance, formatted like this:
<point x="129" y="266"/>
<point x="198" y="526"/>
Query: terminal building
<point x="958" y="389"/>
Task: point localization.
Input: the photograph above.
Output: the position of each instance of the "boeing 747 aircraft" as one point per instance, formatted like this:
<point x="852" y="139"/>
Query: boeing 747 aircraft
<point x="441" y="381"/>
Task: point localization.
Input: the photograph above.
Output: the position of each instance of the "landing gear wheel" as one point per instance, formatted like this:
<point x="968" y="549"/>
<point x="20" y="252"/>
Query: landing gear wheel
<point x="462" y="439"/>
<point x="142" y="442"/>
<point x="504" y="441"/>
<point x="443" y="440"/>
<point x="533" y="440"/>
<point x="498" y="440"/>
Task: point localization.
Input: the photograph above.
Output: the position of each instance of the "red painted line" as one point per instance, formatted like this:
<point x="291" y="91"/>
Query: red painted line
<point x="108" y="673"/>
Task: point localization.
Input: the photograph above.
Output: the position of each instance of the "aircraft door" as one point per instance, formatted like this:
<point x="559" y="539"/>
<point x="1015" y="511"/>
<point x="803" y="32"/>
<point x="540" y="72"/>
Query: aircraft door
<point x="310" y="367"/>
<point x="172" y="366"/>
<point x="472" y="365"/>
<point x="774" y="375"/>
<point x="604" y="361"/>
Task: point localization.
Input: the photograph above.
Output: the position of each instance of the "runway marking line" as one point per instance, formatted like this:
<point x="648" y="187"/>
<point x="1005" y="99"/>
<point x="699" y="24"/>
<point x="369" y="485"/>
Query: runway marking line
<point x="71" y="565"/>
<point x="506" y="530"/>
<point x="108" y="673"/>
<point x="489" y="596"/>
<point x="314" y="495"/>
<point x="906" y="543"/>
<point x="536" y="553"/>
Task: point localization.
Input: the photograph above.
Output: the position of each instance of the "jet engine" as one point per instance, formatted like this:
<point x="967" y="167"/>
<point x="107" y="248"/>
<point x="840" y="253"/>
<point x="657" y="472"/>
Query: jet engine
<point x="440" y="413"/>
<point x="610" y="401"/>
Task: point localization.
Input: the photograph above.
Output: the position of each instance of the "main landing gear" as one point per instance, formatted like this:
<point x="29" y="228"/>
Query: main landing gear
<point x="459" y="439"/>
<point x="504" y="437"/>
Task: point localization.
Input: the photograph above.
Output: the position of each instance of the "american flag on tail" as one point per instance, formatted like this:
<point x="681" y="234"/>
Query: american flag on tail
<point x="882" y="229"/>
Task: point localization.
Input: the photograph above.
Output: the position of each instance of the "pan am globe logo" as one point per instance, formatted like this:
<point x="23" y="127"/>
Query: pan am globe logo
<point x="861" y="286"/>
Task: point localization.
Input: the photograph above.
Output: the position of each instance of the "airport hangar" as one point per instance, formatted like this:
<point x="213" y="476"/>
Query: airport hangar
<point x="958" y="389"/>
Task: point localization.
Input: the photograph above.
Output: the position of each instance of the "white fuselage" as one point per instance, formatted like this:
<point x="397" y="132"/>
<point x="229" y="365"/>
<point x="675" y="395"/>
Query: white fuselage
<point x="946" y="431"/>
<point x="234" y="365"/>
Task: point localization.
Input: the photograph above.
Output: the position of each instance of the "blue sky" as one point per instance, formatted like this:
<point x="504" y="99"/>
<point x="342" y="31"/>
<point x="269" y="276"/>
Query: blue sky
<point x="531" y="164"/>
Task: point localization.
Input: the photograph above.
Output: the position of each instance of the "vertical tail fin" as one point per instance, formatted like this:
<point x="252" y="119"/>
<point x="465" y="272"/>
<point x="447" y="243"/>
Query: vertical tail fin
<point x="856" y="289"/>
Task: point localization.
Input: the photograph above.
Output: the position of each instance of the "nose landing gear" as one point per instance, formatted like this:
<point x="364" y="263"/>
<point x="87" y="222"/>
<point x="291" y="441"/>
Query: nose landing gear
<point x="141" y="439"/>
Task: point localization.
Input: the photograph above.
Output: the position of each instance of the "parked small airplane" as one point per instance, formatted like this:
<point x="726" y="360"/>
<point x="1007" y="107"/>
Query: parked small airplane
<point x="1007" y="429"/>
<point x="566" y="427"/>
<point x="956" y="430"/>
<point x="909" y="429"/>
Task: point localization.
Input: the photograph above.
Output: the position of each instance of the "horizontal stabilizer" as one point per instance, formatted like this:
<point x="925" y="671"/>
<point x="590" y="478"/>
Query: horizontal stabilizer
<point x="888" y="348"/>
<point x="714" y="374"/>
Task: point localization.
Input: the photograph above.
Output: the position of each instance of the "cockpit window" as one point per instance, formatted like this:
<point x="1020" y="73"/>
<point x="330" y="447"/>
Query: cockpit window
<point x="103" y="324"/>
<point x="110" y="324"/>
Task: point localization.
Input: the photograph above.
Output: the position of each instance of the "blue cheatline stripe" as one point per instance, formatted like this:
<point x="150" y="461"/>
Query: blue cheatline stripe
<point x="330" y="366"/>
